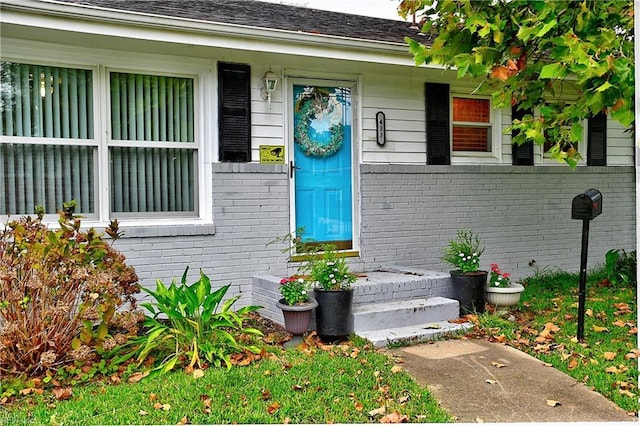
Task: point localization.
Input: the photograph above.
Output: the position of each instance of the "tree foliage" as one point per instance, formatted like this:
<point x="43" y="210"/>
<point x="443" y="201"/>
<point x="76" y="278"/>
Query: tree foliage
<point x="566" y="60"/>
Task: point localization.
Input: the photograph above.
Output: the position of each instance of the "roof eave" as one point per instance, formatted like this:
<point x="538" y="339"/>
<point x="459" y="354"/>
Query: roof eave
<point x="55" y="9"/>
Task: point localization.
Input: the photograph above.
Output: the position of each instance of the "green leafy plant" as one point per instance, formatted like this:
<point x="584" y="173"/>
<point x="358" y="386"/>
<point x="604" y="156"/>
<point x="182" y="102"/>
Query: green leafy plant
<point x="328" y="269"/>
<point x="65" y="295"/>
<point x="322" y="264"/>
<point x="198" y="327"/>
<point x="497" y="278"/>
<point x="527" y="53"/>
<point x="464" y="252"/>
<point x="621" y="267"/>
<point x="295" y="289"/>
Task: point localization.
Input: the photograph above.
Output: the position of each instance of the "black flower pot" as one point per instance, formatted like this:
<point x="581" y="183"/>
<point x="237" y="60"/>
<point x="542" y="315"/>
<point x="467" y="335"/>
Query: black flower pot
<point x="333" y="314"/>
<point x="468" y="289"/>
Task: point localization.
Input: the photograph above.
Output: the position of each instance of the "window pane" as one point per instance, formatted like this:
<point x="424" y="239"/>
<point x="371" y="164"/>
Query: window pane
<point x="46" y="175"/>
<point x="152" y="180"/>
<point x="473" y="110"/>
<point x="43" y="101"/>
<point x="471" y="139"/>
<point x="151" y="108"/>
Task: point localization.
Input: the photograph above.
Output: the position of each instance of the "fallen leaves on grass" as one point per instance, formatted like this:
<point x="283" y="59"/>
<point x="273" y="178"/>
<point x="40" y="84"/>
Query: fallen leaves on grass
<point x="206" y="401"/>
<point x="622" y="308"/>
<point x="394" y="417"/>
<point x="62" y="394"/>
<point x="273" y="408"/>
<point x="378" y="411"/>
<point x="617" y="370"/>
<point x="137" y="376"/>
<point x="547" y="332"/>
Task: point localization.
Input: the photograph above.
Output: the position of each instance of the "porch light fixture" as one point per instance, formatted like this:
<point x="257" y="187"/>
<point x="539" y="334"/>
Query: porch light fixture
<point x="270" y="81"/>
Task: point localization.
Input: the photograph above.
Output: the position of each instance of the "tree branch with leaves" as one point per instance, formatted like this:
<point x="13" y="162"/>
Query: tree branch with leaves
<point x="567" y="60"/>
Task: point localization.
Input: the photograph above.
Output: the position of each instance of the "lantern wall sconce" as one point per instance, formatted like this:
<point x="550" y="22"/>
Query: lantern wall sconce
<point x="270" y="81"/>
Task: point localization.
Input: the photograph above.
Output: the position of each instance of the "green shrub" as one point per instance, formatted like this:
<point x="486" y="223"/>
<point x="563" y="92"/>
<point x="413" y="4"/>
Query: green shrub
<point x="328" y="269"/>
<point x="621" y="267"/>
<point x="59" y="293"/>
<point x="194" y="331"/>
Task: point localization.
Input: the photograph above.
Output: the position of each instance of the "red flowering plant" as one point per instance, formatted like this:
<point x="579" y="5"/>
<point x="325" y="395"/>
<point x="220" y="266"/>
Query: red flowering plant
<point x="497" y="278"/>
<point x="295" y="290"/>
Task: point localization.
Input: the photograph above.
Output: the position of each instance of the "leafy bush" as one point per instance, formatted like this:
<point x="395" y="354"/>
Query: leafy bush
<point x="59" y="293"/>
<point x="329" y="269"/>
<point x="194" y="331"/>
<point x="294" y="290"/>
<point x="463" y="252"/>
<point x="621" y="267"/>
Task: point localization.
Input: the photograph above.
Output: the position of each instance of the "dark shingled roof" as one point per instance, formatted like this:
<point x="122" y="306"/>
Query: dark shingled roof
<point x="268" y="15"/>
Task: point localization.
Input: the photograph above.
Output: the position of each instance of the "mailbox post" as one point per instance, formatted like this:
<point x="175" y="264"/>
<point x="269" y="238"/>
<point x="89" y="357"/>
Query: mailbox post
<point x="585" y="207"/>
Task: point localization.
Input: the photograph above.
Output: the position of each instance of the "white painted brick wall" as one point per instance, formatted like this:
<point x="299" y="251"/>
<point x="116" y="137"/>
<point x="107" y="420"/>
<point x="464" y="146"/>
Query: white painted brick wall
<point x="520" y="213"/>
<point x="408" y="214"/>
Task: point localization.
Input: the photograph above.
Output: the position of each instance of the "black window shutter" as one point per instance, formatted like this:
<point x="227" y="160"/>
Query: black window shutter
<point x="597" y="140"/>
<point x="521" y="155"/>
<point x="234" y="112"/>
<point x="438" y="124"/>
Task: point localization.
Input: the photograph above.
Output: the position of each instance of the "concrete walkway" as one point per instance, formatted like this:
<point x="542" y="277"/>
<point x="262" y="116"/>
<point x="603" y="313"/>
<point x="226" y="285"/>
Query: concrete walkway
<point x="478" y="381"/>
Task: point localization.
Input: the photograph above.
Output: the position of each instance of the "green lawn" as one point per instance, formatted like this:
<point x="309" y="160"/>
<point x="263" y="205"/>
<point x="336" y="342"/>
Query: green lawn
<point x="352" y="383"/>
<point x="311" y="384"/>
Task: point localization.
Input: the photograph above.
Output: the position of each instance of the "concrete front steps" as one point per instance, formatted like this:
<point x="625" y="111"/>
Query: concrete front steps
<point x="406" y="320"/>
<point x="393" y="305"/>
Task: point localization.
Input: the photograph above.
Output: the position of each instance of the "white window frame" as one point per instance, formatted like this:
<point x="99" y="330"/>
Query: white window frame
<point x="100" y="62"/>
<point x="474" y="157"/>
<point x="126" y="143"/>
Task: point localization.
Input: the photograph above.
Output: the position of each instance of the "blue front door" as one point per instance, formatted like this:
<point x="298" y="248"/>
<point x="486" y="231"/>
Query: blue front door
<point x="322" y="128"/>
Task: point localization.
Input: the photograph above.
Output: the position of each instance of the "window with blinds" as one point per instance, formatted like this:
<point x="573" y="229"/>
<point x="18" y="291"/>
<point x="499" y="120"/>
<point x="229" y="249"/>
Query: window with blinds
<point x="48" y="151"/>
<point x="471" y="130"/>
<point x="152" y="154"/>
<point x="50" y="154"/>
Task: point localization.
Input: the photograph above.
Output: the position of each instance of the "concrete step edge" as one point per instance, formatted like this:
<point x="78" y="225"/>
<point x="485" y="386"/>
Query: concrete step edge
<point x="401" y="305"/>
<point x="412" y="334"/>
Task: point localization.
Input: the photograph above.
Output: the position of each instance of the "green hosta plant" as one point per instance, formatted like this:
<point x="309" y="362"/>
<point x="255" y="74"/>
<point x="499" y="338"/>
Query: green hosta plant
<point x="463" y="252"/>
<point x="199" y="328"/>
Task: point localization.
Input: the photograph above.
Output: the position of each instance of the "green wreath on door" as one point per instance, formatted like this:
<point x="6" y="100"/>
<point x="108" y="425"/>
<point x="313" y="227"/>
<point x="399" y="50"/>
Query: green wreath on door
<point x="314" y="103"/>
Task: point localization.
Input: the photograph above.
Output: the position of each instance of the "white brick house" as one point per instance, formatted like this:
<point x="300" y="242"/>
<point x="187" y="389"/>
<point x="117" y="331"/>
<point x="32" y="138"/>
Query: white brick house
<point x="82" y="85"/>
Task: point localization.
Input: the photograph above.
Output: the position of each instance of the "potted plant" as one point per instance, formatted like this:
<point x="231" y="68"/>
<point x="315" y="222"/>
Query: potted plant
<point x="332" y="280"/>
<point x="296" y="304"/>
<point x="500" y="291"/>
<point x="463" y="253"/>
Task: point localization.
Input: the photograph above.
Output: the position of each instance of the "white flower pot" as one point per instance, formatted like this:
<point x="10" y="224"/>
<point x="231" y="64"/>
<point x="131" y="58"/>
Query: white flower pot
<point x="504" y="296"/>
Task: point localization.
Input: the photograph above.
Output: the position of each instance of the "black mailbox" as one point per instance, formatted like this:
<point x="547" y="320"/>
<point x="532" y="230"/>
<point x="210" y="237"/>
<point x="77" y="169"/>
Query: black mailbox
<point x="587" y="205"/>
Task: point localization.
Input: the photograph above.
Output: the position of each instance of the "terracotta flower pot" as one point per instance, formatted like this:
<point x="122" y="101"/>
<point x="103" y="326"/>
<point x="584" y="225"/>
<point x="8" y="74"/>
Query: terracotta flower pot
<point x="297" y="317"/>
